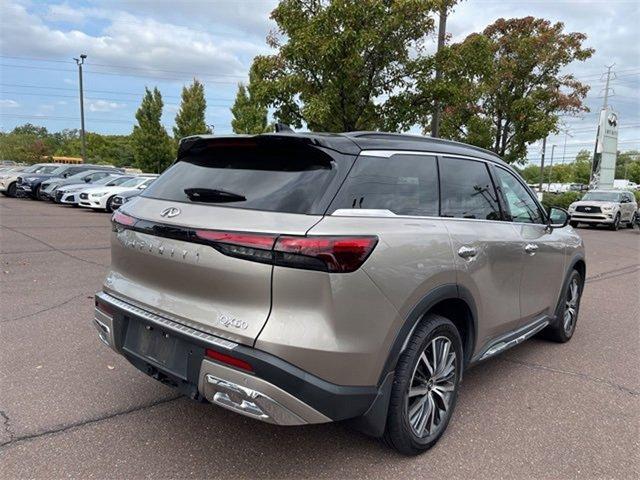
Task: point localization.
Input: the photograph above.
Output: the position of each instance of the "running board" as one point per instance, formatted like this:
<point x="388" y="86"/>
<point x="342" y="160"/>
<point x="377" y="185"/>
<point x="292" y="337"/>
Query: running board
<point x="514" y="338"/>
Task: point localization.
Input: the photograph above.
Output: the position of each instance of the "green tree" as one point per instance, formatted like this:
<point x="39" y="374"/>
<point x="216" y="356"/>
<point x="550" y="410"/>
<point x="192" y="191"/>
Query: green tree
<point x="501" y="89"/>
<point x="337" y="61"/>
<point x="152" y="147"/>
<point x="23" y="147"/>
<point x="190" y="119"/>
<point x="625" y="161"/>
<point x="582" y="167"/>
<point x="248" y="115"/>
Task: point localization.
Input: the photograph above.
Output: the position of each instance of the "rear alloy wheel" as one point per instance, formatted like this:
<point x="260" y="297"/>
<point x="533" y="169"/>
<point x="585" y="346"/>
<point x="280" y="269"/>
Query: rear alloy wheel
<point x="616" y="222"/>
<point x="567" y="314"/>
<point x="11" y="191"/>
<point x="425" y="387"/>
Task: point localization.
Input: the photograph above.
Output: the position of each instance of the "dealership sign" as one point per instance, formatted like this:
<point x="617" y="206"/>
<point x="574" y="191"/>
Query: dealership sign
<point x="604" y="159"/>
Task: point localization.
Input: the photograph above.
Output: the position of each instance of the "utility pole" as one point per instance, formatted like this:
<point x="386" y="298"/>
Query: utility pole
<point x="553" y="149"/>
<point x="544" y="148"/>
<point x="80" y="61"/>
<point x="606" y="87"/>
<point x="442" y="33"/>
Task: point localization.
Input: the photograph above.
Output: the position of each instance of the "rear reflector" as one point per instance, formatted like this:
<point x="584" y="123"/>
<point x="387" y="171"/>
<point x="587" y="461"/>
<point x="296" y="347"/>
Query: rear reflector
<point x="229" y="360"/>
<point x="104" y="307"/>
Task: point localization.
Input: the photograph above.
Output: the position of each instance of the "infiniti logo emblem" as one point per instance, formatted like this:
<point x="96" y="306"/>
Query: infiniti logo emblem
<point x="170" y="212"/>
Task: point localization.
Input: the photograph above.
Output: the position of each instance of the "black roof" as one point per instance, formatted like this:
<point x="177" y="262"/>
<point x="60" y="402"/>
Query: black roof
<point x="352" y="142"/>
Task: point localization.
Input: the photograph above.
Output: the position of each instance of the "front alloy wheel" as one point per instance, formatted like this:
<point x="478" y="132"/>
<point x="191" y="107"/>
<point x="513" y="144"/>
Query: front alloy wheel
<point x="563" y="327"/>
<point x="431" y="387"/>
<point x="571" y="306"/>
<point x="616" y="222"/>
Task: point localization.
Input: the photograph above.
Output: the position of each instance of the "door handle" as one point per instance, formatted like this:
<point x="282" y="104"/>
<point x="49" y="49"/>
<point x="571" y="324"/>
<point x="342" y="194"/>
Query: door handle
<point x="531" y="248"/>
<point x="467" y="252"/>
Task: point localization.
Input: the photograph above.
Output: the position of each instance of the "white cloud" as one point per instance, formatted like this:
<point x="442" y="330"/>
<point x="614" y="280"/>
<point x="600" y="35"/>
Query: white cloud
<point x="131" y="44"/>
<point x="6" y="103"/>
<point x="63" y="12"/>
<point x="104" y="106"/>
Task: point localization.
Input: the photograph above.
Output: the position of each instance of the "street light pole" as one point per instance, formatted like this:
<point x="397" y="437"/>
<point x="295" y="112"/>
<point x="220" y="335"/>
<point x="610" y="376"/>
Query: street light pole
<point x="80" y="61"/>
<point x="544" y="149"/>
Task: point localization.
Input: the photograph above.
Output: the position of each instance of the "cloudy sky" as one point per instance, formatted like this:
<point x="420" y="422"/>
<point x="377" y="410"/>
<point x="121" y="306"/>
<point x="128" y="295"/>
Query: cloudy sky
<point x="133" y="43"/>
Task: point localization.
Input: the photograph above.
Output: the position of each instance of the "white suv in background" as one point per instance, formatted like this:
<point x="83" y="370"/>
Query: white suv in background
<point x="608" y="207"/>
<point x="100" y="198"/>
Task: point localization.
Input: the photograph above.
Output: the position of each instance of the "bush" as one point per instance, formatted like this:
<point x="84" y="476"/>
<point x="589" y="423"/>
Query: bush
<point x="637" y="194"/>
<point x="562" y="200"/>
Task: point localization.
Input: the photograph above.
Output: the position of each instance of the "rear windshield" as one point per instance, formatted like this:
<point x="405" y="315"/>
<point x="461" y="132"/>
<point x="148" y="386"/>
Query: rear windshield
<point x="258" y="177"/>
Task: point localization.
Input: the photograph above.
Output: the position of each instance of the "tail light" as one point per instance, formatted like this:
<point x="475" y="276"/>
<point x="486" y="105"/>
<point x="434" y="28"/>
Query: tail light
<point x="121" y="219"/>
<point x="249" y="246"/>
<point x="334" y="254"/>
<point x="328" y="254"/>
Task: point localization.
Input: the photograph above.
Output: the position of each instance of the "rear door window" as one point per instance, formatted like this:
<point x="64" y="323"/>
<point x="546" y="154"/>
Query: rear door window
<point x="257" y="177"/>
<point x="467" y="190"/>
<point x="402" y="184"/>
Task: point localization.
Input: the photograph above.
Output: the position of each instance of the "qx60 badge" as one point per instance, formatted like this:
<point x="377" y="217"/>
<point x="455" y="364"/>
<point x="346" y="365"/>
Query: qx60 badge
<point x="170" y="212"/>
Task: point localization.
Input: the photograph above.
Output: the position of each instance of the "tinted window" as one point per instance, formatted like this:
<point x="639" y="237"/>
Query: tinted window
<point x="467" y="190"/>
<point x="521" y="207"/>
<point x="403" y="184"/>
<point x="278" y="178"/>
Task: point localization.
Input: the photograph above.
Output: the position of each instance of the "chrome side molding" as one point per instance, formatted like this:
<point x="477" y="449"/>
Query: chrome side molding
<point x="514" y="338"/>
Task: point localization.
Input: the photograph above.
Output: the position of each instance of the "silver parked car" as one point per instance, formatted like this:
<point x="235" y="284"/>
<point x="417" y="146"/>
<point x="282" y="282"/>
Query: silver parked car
<point x="309" y="278"/>
<point x="608" y="207"/>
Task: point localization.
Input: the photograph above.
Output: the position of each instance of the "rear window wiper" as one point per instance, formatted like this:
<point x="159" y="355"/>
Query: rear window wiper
<point x="213" y="195"/>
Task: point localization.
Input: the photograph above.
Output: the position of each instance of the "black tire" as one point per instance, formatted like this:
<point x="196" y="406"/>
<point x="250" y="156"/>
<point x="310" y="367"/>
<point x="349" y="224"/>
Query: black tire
<point x="616" y="223"/>
<point x="574" y="224"/>
<point x="559" y="331"/>
<point x="630" y="223"/>
<point x="109" y="208"/>
<point x="37" y="194"/>
<point x="399" y="433"/>
<point x="11" y="190"/>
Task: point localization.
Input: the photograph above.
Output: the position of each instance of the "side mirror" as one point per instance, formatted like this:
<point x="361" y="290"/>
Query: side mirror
<point x="65" y="175"/>
<point x="558" y="218"/>
<point x="142" y="187"/>
<point x="87" y="179"/>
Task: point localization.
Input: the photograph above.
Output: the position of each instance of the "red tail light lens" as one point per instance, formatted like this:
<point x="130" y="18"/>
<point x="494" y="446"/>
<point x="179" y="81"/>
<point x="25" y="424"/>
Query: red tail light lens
<point x="122" y="219"/>
<point x="329" y="254"/>
<point x="229" y="360"/>
<point x="249" y="246"/>
<point x="334" y="254"/>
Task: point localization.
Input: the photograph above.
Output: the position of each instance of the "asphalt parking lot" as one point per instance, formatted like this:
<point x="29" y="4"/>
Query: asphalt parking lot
<point x="72" y="408"/>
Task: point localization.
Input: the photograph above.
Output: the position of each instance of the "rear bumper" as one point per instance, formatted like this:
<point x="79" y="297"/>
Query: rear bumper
<point x="275" y="392"/>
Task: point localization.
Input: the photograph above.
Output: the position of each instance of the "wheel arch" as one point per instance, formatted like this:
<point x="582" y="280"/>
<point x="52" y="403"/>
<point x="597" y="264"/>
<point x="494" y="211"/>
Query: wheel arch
<point x="451" y="301"/>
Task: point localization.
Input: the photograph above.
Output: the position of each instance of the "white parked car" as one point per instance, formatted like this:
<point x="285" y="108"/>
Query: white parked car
<point x="100" y="198"/>
<point x="69" y="194"/>
<point x="9" y="178"/>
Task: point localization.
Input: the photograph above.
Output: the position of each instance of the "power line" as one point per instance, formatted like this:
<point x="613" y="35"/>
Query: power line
<point x="128" y="67"/>
<point x="124" y="74"/>
<point x="126" y="100"/>
<point x="137" y="94"/>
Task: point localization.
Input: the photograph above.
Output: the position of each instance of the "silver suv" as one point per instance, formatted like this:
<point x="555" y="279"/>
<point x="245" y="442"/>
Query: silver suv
<point x="309" y="278"/>
<point x="608" y="207"/>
